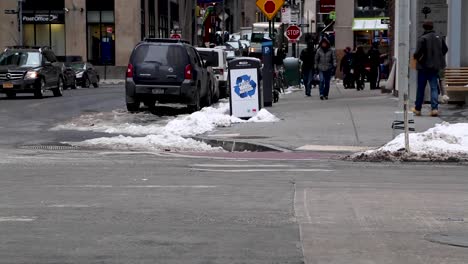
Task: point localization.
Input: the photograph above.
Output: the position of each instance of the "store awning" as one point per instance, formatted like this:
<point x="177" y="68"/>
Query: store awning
<point x="361" y="24"/>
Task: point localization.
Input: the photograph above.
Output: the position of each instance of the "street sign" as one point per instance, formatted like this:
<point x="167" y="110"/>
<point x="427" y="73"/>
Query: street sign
<point x="293" y="33"/>
<point x="270" y="7"/>
<point x="385" y="21"/>
<point x="10" y="11"/>
<point x="286" y="15"/>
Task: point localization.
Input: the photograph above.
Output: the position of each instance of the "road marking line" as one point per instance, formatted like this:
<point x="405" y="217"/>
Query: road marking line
<point x="333" y="148"/>
<point x="70" y="206"/>
<point x="240" y="166"/>
<point x="264" y="170"/>
<point x="137" y="186"/>
<point x="17" y="219"/>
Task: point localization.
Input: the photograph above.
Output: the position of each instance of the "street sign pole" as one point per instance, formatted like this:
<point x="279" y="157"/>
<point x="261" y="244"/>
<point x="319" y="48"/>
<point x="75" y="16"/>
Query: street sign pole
<point x="20" y="21"/>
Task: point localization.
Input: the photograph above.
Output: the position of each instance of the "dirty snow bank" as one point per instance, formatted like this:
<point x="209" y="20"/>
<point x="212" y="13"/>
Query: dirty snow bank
<point x="444" y="142"/>
<point x="159" y="134"/>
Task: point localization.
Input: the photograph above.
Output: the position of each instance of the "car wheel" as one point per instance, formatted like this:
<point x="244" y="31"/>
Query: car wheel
<point x="196" y="107"/>
<point x="40" y="89"/>
<point x="133" y="107"/>
<point x="11" y="95"/>
<point x="86" y="82"/>
<point x="209" y="96"/>
<point x="59" y="90"/>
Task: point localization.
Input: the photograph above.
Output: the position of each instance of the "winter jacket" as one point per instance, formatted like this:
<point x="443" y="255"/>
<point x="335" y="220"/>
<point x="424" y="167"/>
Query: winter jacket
<point x="374" y="58"/>
<point x="308" y="58"/>
<point x="325" y="59"/>
<point x="431" y="51"/>
<point x="346" y="62"/>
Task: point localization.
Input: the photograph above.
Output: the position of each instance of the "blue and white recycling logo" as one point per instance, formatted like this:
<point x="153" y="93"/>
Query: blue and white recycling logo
<point x="245" y="86"/>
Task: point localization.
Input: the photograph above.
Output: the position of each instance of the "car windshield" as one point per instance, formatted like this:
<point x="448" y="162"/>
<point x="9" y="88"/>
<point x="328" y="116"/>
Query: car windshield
<point x="258" y="37"/>
<point x="210" y="56"/>
<point x="76" y="66"/>
<point x="22" y="59"/>
<point x="233" y="44"/>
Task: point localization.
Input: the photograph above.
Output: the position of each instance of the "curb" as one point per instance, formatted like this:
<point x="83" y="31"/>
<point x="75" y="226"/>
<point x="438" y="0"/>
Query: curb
<point x="239" y="146"/>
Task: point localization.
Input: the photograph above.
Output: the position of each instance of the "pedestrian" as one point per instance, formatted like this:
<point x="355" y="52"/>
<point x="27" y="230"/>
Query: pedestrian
<point x="325" y="64"/>
<point x="430" y="56"/>
<point x="308" y="58"/>
<point x="374" y="62"/>
<point x="359" y="62"/>
<point x="346" y="68"/>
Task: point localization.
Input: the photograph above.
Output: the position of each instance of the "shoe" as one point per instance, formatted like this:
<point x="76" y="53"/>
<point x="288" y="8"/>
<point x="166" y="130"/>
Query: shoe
<point x="326" y="97"/>
<point x="321" y="97"/>
<point x="434" y="113"/>
<point x="416" y="112"/>
<point x="308" y="95"/>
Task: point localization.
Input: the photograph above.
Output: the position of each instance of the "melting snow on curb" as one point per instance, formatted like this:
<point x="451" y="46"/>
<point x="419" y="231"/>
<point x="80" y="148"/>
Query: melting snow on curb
<point x="443" y="142"/>
<point x="145" y="131"/>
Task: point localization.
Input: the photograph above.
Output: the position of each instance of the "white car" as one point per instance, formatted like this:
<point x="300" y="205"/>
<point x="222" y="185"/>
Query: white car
<point x="218" y="61"/>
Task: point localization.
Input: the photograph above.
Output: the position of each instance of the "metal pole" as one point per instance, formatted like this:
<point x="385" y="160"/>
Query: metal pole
<point x="20" y="14"/>
<point x="222" y="22"/>
<point x="403" y="60"/>
<point x="195" y="33"/>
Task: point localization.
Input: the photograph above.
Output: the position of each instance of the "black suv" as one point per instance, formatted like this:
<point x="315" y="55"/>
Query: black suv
<point x="166" y="71"/>
<point x="30" y="70"/>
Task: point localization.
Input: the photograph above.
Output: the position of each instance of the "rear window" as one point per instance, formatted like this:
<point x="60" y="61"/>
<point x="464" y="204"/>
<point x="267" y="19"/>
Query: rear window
<point x="210" y="56"/>
<point x="160" y="54"/>
<point x="258" y="37"/>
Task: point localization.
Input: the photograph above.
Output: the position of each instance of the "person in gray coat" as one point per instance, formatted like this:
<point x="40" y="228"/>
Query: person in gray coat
<point x="430" y="55"/>
<point x="325" y="64"/>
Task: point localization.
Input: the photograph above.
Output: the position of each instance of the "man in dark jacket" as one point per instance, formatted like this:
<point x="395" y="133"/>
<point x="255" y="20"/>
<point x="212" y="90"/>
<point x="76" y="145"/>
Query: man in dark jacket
<point x="374" y="60"/>
<point x="325" y="64"/>
<point x="346" y="68"/>
<point x="308" y="58"/>
<point x="430" y="55"/>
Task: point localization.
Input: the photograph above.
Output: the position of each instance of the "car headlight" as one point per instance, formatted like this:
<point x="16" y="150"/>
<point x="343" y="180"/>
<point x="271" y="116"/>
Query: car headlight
<point x="252" y="50"/>
<point x="79" y="75"/>
<point x="31" y="75"/>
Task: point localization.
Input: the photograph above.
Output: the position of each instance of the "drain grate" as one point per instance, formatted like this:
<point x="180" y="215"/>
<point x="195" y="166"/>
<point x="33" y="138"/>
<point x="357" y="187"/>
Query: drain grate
<point x="49" y="147"/>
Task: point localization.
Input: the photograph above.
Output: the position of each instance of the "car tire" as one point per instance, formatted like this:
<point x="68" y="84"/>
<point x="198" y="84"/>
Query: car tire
<point x="86" y="82"/>
<point x="196" y="107"/>
<point x="40" y="89"/>
<point x="10" y="95"/>
<point x="209" y="96"/>
<point x="59" y="90"/>
<point x="133" y="107"/>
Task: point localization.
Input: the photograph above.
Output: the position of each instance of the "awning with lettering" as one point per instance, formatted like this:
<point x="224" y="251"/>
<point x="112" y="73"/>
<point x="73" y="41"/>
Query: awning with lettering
<point x="361" y="24"/>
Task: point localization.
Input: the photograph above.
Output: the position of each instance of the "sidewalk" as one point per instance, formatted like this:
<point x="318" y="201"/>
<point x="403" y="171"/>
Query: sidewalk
<point x="349" y="121"/>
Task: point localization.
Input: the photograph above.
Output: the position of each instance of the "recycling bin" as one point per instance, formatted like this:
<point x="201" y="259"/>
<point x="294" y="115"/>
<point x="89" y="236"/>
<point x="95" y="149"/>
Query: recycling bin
<point x="244" y="85"/>
<point x="292" y="71"/>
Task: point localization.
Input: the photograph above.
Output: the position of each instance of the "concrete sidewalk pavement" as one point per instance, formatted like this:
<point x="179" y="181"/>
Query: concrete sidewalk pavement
<point x="349" y="121"/>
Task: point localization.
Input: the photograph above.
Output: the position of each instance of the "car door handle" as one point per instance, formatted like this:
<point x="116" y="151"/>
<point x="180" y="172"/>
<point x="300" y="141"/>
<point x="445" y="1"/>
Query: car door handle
<point x="171" y="76"/>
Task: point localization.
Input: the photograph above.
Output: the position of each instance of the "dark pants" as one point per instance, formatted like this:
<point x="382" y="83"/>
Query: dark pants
<point x="373" y="77"/>
<point x="359" y="76"/>
<point x="424" y="76"/>
<point x="325" y="78"/>
<point x="308" y="77"/>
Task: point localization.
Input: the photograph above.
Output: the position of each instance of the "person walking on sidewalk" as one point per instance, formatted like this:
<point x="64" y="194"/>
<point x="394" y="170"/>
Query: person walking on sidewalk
<point x="346" y="68"/>
<point x="308" y="59"/>
<point x="325" y="64"/>
<point x="430" y="56"/>
<point x="374" y="61"/>
<point x="360" y="59"/>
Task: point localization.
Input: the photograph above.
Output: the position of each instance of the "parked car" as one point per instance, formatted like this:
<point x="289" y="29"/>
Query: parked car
<point x="236" y="45"/>
<point x="69" y="75"/>
<point x="30" y="70"/>
<point x="230" y="52"/>
<point x="245" y="47"/>
<point x="218" y="62"/>
<point x="85" y="74"/>
<point x="166" y="71"/>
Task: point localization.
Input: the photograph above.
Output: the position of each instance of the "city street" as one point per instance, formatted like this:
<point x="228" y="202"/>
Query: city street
<point x="115" y="206"/>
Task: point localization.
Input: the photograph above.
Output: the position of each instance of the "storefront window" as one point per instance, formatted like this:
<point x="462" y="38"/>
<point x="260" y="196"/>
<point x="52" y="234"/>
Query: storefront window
<point x="44" y="24"/>
<point x="371" y="8"/>
<point x="101" y="32"/>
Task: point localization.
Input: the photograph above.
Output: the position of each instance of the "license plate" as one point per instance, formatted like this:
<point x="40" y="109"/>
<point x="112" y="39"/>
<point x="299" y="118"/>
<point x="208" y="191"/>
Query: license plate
<point x="158" y="91"/>
<point x="7" y="85"/>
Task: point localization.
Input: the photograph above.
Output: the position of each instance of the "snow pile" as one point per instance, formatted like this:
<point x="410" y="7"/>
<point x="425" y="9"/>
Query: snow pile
<point x="443" y="142"/>
<point x="292" y="89"/>
<point x="157" y="133"/>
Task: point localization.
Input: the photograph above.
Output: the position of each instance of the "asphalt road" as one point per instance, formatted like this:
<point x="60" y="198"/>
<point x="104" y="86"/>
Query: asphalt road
<point x="129" y="207"/>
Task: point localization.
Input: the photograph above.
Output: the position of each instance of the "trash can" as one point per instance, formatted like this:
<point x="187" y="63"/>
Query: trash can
<point x="292" y="71"/>
<point x="244" y="85"/>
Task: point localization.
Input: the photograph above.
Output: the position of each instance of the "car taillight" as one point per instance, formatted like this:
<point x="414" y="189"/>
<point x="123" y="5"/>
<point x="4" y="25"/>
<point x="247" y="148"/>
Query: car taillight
<point x="130" y="71"/>
<point x="188" y="72"/>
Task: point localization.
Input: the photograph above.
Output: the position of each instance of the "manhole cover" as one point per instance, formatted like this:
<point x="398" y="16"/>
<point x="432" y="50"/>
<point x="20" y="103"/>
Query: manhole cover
<point x="457" y="240"/>
<point x="49" y="147"/>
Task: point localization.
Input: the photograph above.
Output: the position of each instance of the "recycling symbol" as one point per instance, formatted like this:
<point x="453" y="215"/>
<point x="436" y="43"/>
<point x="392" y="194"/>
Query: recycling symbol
<point x="245" y="86"/>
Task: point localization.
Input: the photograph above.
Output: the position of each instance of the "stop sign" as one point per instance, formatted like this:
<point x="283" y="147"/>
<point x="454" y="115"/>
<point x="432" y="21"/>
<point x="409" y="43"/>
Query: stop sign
<point x="293" y="33"/>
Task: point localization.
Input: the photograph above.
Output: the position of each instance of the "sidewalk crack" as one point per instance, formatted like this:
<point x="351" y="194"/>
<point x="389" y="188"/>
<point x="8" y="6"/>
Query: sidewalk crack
<point x="358" y="141"/>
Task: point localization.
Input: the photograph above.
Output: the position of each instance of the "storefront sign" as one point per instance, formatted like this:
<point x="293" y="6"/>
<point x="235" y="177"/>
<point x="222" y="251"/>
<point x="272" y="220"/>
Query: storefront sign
<point x="327" y="6"/>
<point x="43" y="18"/>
